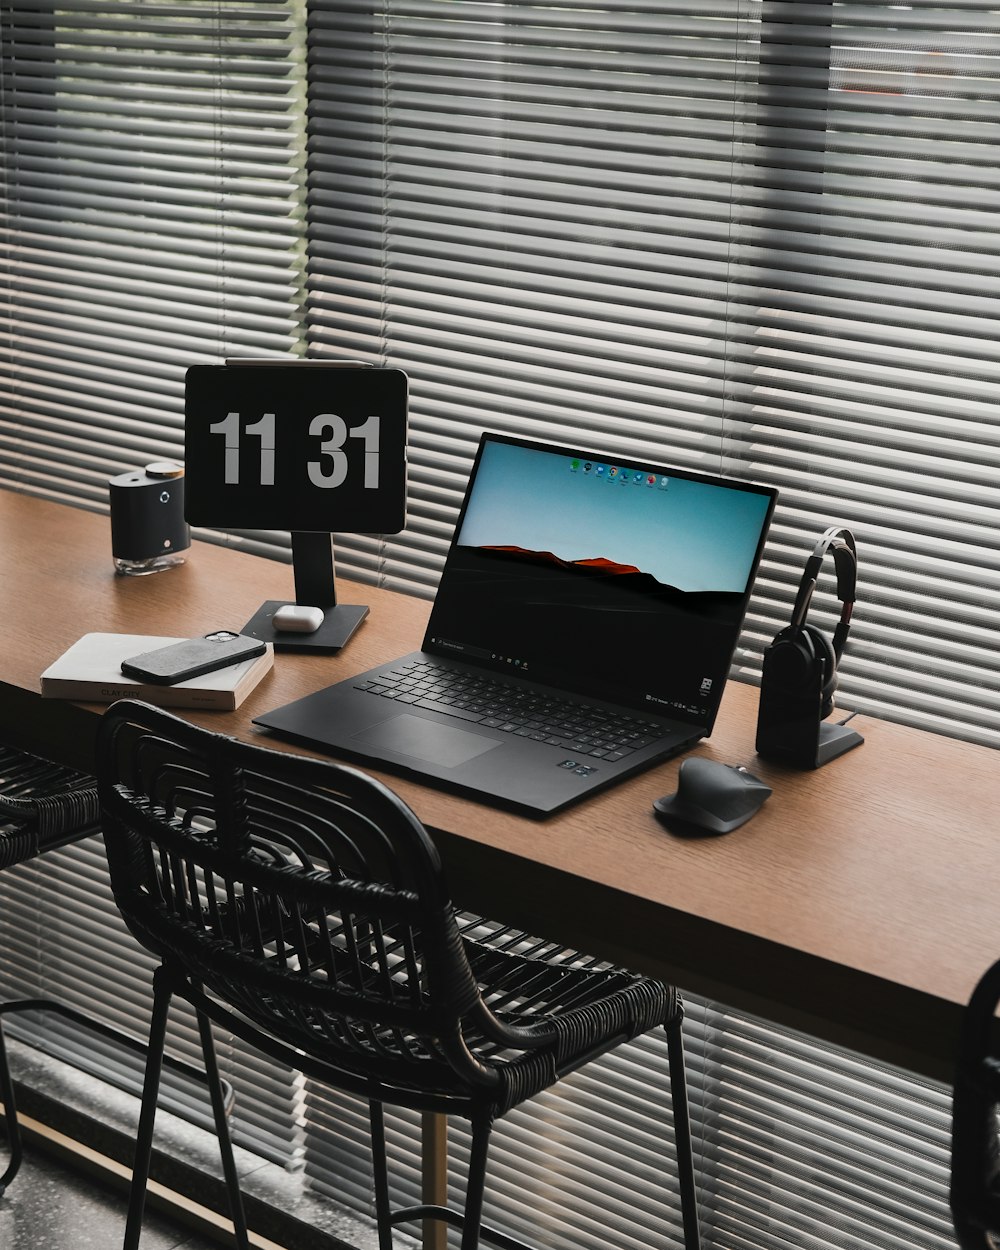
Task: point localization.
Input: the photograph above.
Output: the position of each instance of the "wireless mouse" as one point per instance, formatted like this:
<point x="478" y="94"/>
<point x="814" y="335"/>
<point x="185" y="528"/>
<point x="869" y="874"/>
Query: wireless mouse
<point x="711" y="797"/>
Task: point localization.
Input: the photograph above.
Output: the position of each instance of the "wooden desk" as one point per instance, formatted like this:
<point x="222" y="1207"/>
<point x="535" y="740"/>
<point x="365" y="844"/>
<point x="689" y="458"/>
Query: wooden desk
<point x="861" y="904"/>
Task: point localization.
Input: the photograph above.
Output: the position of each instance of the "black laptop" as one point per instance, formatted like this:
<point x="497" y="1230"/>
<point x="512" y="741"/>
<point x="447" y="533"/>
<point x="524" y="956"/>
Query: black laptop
<point x="582" y="630"/>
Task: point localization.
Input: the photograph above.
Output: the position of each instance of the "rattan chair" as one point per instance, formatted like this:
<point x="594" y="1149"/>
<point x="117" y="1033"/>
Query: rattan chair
<point x="42" y="806"/>
<point x="975" y="1152"/>
<point x="301" y="905"/>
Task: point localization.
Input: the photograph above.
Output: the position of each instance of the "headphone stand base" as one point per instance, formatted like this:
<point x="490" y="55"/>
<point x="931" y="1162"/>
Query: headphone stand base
<point x="833" y="741"/>
<point x="791" y="731"/>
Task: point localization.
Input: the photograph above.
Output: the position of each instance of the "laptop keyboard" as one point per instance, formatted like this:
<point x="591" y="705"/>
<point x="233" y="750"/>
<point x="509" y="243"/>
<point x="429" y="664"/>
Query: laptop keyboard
<point x="495" y="704"/>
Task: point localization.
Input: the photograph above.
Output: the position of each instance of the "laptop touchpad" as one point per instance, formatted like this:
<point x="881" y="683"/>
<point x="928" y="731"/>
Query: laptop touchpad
<point x="426" y="740"/>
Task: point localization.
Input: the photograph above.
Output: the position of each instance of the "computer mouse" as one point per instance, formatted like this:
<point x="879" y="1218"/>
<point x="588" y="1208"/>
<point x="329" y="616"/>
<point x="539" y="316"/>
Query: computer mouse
<point x="711" y="797"/>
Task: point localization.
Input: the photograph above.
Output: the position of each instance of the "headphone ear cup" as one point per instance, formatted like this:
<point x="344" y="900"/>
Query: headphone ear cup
<point x="824" y="653"/>
<point x="788" y="661"/>
<point x="794" y="660"/>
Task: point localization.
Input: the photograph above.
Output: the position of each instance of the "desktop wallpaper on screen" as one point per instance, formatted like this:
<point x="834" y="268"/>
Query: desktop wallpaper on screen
<point x="564" y="565"/>
<point x="691" y="535"/>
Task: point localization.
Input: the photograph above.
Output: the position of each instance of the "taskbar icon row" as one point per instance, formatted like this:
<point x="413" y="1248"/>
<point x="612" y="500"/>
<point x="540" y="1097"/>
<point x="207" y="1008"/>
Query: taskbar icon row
<point x="617" y="473"/>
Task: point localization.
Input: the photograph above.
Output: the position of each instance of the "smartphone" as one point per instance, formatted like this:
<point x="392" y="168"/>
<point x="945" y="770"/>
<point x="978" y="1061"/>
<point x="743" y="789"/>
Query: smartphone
<point x="181" y="660"/>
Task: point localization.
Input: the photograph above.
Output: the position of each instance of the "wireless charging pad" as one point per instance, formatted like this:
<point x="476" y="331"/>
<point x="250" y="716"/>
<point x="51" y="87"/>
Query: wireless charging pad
<point x="340" y="620"/>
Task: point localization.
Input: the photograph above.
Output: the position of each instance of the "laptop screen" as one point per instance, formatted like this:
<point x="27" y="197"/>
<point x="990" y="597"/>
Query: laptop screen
<point x="615" y="579"/>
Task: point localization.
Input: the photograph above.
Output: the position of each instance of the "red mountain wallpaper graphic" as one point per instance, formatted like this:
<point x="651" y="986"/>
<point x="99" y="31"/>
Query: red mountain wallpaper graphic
<point x="597" y="563"/>
<point x="521" y="577"/>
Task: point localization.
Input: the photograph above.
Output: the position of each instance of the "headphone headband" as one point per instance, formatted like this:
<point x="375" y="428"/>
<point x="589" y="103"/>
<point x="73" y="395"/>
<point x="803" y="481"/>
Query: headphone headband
<point x="845" y="554"/>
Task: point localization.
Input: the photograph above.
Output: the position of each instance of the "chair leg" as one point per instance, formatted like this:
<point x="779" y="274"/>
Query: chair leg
<point x="10" y="1114"/>
<point x="682" y="1133"/>
<point x="434" y="1176"/>
<point x="380" y="1175"/>
<point x="162" y="994"/>
<point x="236" y="1212"/>
<point x="476" y="1183"/>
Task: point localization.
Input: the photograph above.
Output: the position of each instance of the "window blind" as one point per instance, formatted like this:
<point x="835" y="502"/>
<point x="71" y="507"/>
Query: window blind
<point x="798" y="1146"/>
<point x="505" y="202"/>
<point x="865" y="332"/>
<point x="673" y="231"/>
<point x="743" y="237"/>
<point x="62" y="939"/>
<point x="151" y="179"/>
<point x="756" y="238"/>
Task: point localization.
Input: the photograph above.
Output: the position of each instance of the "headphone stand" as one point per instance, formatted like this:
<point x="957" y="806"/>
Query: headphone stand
<point x="790" y="730"/>
<point x="799" y="670"/>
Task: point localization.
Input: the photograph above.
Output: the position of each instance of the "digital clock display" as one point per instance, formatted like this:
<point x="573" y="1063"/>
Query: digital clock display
<point x="296" y="446"/>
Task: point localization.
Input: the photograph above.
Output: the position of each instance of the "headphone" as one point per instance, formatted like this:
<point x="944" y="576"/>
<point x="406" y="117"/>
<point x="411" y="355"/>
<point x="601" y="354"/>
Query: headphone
<point x="801" y="656"/>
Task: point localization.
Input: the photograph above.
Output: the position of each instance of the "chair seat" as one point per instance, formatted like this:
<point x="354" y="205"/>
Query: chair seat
<point x="569" y="1006"/>
<point x="42" y="805"/>
<point x="575" y="1006"/>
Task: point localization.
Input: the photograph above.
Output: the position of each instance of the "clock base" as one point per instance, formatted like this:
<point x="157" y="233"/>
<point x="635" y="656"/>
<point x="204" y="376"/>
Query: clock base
<point x="340" y="620"/>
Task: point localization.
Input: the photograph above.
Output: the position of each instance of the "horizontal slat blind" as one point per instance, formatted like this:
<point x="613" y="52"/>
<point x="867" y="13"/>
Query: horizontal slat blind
<point x="507" y="203"/>
<point x="811" y="1146"/>
<point x="863" y="338"/>
<point x="150" y="169"/>
<point x="62" y="938"/>
<point x="757" y="238"/>
<point x="609" y="225"/>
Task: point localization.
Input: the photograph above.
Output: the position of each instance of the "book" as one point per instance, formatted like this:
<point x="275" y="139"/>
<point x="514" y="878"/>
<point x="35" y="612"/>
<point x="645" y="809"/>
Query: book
<point x="90" y="671"/>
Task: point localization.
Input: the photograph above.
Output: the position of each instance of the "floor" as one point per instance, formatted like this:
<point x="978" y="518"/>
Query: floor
<point x="51" y="1207"/>
<point x="55" y="1206"/>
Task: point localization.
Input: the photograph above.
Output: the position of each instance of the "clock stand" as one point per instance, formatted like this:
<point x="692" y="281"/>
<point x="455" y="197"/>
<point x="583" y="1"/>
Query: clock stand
<point x="315" y="587"/>
<point x="311" y="447"/>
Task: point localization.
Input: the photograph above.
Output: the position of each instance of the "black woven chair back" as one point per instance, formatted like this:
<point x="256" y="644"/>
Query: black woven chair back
<point x="975" y="1157"/>
<point x="302" y="892"/>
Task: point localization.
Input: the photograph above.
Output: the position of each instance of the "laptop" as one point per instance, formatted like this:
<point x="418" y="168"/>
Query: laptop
<point x="582" y="630"/>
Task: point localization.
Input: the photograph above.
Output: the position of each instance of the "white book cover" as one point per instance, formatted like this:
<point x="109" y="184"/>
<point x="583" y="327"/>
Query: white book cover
<point x="90" y="671"/>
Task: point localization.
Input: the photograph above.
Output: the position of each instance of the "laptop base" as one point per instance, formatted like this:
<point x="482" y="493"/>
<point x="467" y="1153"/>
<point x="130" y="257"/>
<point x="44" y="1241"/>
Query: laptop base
<point x="470" y="758"/>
